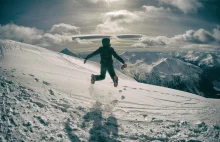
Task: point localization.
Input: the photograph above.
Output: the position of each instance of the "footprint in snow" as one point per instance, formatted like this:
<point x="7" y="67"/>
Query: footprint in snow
<point x="114" y="102"/>
<point x="46" y="83"/>
<point x="51" y="92"/>
<point x="122" y="97"/>
<point x="37" y="80"/>
<point x="13" y="70"/>
<point x="31" y="75"/>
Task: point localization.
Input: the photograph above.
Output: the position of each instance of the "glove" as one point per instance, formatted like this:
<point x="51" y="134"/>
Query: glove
<point x="123" y="66"/>
<point x="85" y="61"/>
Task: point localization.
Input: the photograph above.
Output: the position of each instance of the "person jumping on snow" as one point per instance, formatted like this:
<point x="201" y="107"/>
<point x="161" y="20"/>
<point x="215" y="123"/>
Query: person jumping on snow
<point x="106" y="52"/>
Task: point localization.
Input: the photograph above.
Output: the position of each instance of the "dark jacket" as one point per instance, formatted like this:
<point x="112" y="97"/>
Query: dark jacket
<point x="106" y="53"/>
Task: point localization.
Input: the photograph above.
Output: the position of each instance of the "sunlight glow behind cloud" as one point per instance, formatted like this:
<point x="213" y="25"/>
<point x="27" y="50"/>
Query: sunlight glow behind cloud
<point x="113" y="22"/>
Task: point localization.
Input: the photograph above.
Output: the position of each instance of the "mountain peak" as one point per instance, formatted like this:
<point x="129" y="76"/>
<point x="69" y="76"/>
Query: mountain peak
<point x="68" y="52"/>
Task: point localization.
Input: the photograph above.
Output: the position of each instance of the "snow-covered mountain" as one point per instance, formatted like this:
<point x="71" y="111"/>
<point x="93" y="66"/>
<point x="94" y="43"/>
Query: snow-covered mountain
<point x="47" y="96"/>
<point x="202" y="59"/>
<point x="209" y="62"/>
<point x="184" y="71"/>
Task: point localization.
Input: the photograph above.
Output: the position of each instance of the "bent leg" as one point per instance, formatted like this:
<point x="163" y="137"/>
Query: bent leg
<point x="111" y="71"/>
<point x="102" y="73"/>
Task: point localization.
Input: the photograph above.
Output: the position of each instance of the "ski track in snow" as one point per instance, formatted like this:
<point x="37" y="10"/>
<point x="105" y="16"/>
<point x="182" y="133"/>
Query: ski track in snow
<point x="47" y="96"/>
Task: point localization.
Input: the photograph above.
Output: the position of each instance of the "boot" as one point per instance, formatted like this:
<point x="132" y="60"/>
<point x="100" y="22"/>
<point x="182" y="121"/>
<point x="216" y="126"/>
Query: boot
<point x="93" y="79"/>
<point x="115" y="80"/>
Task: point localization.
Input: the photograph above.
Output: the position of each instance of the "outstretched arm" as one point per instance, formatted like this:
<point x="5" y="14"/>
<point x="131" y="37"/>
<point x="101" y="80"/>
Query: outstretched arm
<point x="92" y="54"/>
<point x="118" y="57"/>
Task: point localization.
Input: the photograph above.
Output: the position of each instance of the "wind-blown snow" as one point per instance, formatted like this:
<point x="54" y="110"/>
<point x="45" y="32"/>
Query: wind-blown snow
<point x="47" y="96"/>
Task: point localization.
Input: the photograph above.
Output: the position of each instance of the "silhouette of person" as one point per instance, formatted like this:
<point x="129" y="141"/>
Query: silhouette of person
<point x="106" y="52"/>
<point x="101" y="131"/>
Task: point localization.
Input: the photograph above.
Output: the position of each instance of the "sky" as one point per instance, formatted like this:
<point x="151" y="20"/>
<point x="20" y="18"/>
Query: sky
<point x="161" y="23"/>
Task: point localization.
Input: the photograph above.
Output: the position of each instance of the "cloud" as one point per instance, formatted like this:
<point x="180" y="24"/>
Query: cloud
<point x="216" y="33"/>
<point x="199" y="37"/>
<point x="64" y="29"/>
<point x="129" y="36"/>
<point x="150" y="41"/>
<point x="82" y="41"/>
<point x="100" y="36"/>
<point x="121" y="16"/>
<point x="186" y="6"/>
<point x="113" y="22"/>
<point x="35" y="36"/>
<point x="154" y="12"/>
<point x="20" y="33"/>
<point x="110" y="28"/>
<point x="139" y="45"/>
<point x="50" y="39"/>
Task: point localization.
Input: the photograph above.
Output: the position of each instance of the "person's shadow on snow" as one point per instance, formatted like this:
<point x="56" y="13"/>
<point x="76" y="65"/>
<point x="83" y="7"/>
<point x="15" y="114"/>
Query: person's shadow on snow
<point x="102" y="130"/>
<point x="70" y="132"/>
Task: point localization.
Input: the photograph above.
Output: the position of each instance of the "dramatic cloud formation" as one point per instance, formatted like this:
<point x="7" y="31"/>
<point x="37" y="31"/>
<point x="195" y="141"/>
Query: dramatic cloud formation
<point x="20" y="33"/>
<point x="116" y="21"/>
<point x="121" y="16"/>
<point x="184" y="5"/>
<point x="113" y="21"/>
<point x="64" y="29"/>
<point x="200" y="36"/>
<point x="57" y="34"/>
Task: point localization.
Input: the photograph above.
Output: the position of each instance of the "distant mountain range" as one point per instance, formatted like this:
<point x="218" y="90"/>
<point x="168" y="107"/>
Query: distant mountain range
<point x="195" y="72"/>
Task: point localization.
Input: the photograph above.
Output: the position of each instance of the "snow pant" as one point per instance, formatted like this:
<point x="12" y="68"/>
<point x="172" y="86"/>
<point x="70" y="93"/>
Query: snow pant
<point x="104" y="68"/>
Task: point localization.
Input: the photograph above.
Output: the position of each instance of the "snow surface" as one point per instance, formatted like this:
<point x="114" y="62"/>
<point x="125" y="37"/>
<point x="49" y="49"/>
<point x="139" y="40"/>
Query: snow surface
<point x="47" y="96"/>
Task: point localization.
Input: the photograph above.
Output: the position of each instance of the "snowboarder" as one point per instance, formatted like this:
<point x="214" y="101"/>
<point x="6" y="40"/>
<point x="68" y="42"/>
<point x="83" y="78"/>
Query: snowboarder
<point x="106" y="52"/>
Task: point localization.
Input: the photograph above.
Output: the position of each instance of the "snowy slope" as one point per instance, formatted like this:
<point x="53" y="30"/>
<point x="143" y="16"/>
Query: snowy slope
<point x="47" y="96"/>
